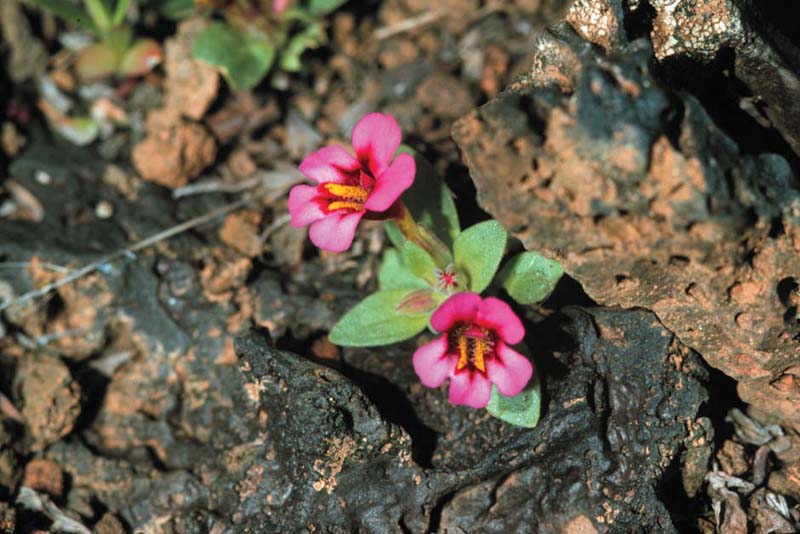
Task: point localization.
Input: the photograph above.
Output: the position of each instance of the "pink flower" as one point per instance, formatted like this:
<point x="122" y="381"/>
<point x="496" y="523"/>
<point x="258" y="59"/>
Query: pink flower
<point x="349" y="187"/>
<point x="279" y="6"/>
<point x="474" y="351"/>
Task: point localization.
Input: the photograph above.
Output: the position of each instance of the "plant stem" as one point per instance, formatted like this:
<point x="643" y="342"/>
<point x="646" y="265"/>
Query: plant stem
<point x="120" y="11"/>
<point x="420" y="234"/>
<point x="99" y="15"/>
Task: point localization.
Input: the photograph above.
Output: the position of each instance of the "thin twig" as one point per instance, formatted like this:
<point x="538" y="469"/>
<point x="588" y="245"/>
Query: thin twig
<point x="417" y="21"/>
<point x="152" y="240"/>
<point x="216" y="186"/>
<point x="277" y="223"/>
<point x="26" y="264"/>
<point x="407" y="25"/>
<point x="274" y="184"/>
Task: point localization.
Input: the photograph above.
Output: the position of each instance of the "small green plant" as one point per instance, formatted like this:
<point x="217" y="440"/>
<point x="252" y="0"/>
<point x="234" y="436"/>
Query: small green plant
<point x="116" y="52"/>
<point x="249" y="37"/>
<point x="433" y="276"/>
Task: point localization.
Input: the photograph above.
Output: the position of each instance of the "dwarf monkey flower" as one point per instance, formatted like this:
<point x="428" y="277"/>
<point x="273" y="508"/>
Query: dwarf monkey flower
<point x="279" y="6"/>
<point x="473" y="350"/>
<point x="349" y="187"/>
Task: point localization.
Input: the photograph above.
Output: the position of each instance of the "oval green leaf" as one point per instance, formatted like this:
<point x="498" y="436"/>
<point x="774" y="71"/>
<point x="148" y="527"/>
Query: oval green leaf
<point x="376" y="321"/>
<point x="530" y="277"/>
<point x="243" y="59"/>
<point x="393" y="273"/>
<point x="419" y="262"/>
<point x="523" y="410"/>
<point x="478" y="251"/>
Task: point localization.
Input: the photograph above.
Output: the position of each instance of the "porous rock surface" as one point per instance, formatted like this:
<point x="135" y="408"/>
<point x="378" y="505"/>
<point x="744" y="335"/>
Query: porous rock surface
<point x="620" y="395"/>
<point x="189" y="422"/>
<point x="595" y="160"/>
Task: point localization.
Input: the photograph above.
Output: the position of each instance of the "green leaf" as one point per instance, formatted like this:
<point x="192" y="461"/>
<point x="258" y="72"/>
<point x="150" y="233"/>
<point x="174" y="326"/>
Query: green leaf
<point x="97" y="10"/>
<point x="79" y="131"/>
<point x="530" y="277"/>
<point x="478" y="251"/>
<point x="430" y="200"/>
<point x="175" y="9"/>
<point x="323" y="7"/>
<point x="522" y="410"/>
<point x="120" y="11"/>
<point x="419" y="262"/>
<point x="375" y="321"/>
<point x="394" y="274"/>
<point x="394" y="234"/>
<point x="96" y="61"/>
<point x="311" y="37"/>
<point x="244" y="59"/>
<point x="69" y="12"/>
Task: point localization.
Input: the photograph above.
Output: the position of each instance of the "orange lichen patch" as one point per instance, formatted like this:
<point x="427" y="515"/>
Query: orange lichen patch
<point x="50" y="398"/>
<point x="238" y="321"/>
<point x="240" y="232"/>
<point x="338" y="450"/>
<point x="79" y="328"/>
<point x="249" y="485"/>
<point x="44" y="475"/>
<point x="228" y="355"/>
<point x="222" y="275"/>
<point x="580" y="525"/>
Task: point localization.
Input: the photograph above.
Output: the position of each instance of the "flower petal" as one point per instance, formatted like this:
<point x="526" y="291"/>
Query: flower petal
<point x="510" y="371"/>
<point x="460" y="308"/>
<point x="497" y="315"/>
<point x="431" y="363"/>
<point x="335" y="232"/>
<point x="391" y="184"/>
<point x="376" y="138"/>
<point x="302" y="205"/>
<point x="471" y="389"/>
<point x="329" y="164"/>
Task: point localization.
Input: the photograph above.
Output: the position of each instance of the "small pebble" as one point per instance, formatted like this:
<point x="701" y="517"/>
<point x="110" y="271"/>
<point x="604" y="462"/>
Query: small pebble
<point x="104" y="209"/>
<point x="43" y="177"/>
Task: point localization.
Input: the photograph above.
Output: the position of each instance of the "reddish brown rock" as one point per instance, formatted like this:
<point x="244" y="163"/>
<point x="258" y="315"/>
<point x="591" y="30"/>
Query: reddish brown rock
<point x="174" y="155"/>
<point x="240" y="231"/>
<point x="45" y="475"/>
<point x="732" y="458"/>
<point x="49" y="397"/>
<point x="647" y="203"/>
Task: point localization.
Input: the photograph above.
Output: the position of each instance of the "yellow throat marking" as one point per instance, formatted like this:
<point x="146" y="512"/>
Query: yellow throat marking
<point x="472" y="350"/>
